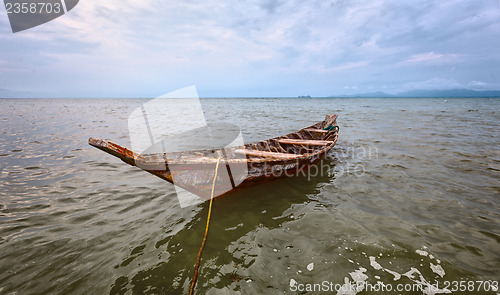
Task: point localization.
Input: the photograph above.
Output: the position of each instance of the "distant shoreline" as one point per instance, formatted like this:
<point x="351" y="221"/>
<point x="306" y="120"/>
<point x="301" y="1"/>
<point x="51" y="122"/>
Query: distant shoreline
<point x="277" y="97"/>
<point x="414" y="94"/>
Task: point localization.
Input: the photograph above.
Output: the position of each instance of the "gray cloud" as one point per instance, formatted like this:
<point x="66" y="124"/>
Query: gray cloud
<point x="270" y="5"/>
<point x="257" y="48"/>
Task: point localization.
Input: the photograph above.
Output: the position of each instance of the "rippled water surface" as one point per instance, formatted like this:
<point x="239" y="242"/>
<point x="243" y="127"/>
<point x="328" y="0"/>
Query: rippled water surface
<point x="409" y="195"/>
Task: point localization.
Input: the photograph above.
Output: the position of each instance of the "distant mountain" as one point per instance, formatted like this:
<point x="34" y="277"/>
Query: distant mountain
<point x="429" y="93"/>
<point x="363" y="95"/>
<point x="451" y="93"/>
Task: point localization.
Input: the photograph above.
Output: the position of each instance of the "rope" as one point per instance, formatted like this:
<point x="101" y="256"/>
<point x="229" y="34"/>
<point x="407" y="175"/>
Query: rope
<point x="195" y="276"/>
<point x="331" y="128"/>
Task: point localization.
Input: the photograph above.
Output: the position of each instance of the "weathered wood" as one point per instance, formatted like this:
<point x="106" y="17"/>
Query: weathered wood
<point x="305" y="142"/>
<point x="277" y="145"/>
<point x="315" y="130"/>
<point x="265" y="154"/>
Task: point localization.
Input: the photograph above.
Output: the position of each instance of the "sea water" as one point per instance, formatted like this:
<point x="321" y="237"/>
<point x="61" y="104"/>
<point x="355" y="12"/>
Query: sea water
<point x="408" y="197"/>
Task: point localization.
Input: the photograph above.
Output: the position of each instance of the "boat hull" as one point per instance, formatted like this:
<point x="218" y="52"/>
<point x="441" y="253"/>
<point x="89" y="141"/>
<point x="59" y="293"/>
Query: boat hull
<point x="239" y="167"/>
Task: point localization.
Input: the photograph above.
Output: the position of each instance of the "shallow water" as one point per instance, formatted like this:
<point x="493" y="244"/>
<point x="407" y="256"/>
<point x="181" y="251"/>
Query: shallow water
<point x="409" y="195"/>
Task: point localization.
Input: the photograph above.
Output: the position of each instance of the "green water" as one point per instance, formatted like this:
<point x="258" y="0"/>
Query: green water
<point x="409" y="195"/>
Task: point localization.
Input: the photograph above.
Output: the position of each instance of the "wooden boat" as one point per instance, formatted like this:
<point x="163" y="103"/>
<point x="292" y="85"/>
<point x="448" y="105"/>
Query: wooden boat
<point x="240" y="166"/>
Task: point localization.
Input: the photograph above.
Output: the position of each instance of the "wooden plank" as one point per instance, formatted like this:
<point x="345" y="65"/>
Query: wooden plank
<point x="264" y="154"/>
<point x="315" y="130"/>
<point x="305" y="142"/>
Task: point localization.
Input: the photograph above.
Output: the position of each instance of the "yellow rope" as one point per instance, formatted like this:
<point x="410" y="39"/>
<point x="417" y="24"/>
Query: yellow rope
<point x="195" y="276"/>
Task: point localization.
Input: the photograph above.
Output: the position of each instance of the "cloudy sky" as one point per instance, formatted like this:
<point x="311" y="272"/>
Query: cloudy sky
<point x="145" y="48"/>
